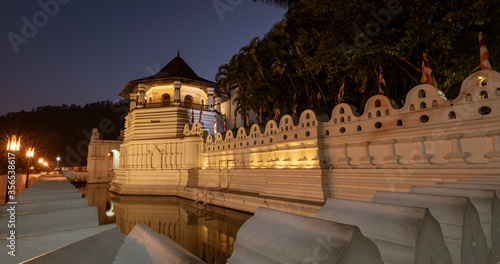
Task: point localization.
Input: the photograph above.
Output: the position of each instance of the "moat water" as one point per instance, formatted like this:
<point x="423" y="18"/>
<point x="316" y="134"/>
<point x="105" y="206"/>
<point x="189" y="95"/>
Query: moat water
<point x="207" y="232"/>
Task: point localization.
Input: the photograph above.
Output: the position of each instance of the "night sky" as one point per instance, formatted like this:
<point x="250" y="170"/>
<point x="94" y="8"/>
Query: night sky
<point x="88" y="50"/>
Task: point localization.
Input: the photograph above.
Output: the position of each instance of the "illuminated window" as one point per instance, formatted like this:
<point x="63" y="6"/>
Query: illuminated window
<point x="421" y="94"/>
<point x="483" y="95"/>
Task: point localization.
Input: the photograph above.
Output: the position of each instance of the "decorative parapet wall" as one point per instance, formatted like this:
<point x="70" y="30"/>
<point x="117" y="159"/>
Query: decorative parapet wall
<point x="429" y="132"/>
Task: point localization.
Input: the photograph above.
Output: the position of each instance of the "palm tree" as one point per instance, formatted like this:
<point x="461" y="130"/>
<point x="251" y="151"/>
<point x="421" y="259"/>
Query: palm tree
<point x="281" y="3"/>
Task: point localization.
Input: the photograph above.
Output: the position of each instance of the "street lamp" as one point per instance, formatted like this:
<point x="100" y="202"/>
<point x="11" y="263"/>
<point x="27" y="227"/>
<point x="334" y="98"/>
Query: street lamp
<point x="58" y="159"/>
<point x="40" y="163"/>
<point x="13" y="145"/>
<point x="30" y="152"/>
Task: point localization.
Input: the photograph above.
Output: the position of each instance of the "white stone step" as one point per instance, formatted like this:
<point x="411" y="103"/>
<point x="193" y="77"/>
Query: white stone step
<point x="403" y="234"/>
<point x="28" y="247"/>
<point x="271" y="236"/>
<point x="48" y="197"/>
<point x="51" y="205"/>
<point x="459" y="222"/>
<point x="51" y="221"/>
<point x="44" y="192"/>
<point x="488" y="207"/>
<point x="100" y="248"/>
<point x="144" y="245"/>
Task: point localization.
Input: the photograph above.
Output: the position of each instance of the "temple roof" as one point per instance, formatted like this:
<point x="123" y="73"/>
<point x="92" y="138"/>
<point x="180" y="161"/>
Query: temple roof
<point x="176" y="69"/>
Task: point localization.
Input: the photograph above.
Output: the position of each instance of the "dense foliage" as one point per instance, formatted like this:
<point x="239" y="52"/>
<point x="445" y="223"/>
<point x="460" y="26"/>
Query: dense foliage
<point x="63" y="130"/>
<point x="321" y="44"/>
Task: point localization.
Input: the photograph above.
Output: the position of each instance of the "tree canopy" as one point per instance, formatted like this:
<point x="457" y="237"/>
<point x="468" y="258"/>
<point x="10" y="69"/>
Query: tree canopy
<point x="319" y="45"/>
<point x="63" y="130"/>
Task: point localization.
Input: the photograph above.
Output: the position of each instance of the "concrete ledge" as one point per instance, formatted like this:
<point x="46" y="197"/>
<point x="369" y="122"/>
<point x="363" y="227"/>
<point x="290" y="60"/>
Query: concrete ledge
<point x="470" y="186"/>
<point x="488" y="207"/>
<point x="31" y="207"/>
<point x="35" y="245"/>
<point x="97" y="249"/>
<point x="403" y="234"/>
<point x="48" y="197"/>
<point x="144" y="245"/>
<point x="277" y="237"/>
<point x="51" y="221"/>
<point x="46" y="191"/>
<point x="458" y="218"/>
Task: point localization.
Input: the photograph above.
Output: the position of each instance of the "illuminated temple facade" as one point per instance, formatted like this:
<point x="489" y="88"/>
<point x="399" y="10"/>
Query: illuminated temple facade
<point x="296" y="163"/>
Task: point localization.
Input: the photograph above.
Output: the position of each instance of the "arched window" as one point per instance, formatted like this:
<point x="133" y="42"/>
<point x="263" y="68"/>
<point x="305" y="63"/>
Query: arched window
<point x="359" y="128"/>
<point x="452" y="115"/>
<point x="434" y="103"/>
<point x="468" y="98"/>
<point x="497" y="93"/>
<point x="400" y="122"/>
<point x="421" y="94"/>
<point x="377" y="103"/>
<point x="423" y="105"/>
<point x="341" y="111"/>
<point x="412" y="107"/>
<point x="387" y="112"/>
<point x="348" y="118"/>
<point x="342" y="120"/>
<point x="166" y="99"/>
<point x="483" y="95"/>
<point x="369" y="115"/>
<point x="378" y="113"/>
<point x="188" y="100"/>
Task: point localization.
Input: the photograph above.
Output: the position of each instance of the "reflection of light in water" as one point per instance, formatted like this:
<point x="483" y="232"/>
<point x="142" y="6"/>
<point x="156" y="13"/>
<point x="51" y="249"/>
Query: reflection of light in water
<point x="110" y="212"/>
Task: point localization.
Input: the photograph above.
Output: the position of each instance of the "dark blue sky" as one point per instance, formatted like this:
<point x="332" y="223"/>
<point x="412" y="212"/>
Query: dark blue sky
<point x="90" y="49"/>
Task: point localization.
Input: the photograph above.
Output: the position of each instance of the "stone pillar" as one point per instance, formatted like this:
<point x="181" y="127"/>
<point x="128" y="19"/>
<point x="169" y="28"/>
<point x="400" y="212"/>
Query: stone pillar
<point x="391" y="157"/>
<point x="217" y="104"/>
<point x="366" y="160"/>
<point x="177" y="93"/>
<point x="211" y="91"/>
<point x="456" y="155"/>
<point x="133" y="101"/>
<point x="344" y="160"/>
<point x="141" y="102"/>
<point x="420" y="157"/>
<point x="494" y="155"/>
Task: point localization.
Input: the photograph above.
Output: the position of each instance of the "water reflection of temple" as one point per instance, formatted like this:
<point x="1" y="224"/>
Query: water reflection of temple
<point x="98" y="195"/>
<point x="209" y="232"/>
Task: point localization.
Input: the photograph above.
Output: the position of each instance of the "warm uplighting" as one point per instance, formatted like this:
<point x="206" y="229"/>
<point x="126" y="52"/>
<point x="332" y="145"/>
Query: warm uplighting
<point x="31" y="167"/>
<point x="13" y="143"/>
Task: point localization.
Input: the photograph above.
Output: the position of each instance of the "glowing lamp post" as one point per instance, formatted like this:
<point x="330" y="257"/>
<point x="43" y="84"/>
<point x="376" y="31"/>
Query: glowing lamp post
<point x="58" y="159"/>
<point x="40" y="163"/>
<point x="30" y="153"/>
<point x="13" y="145"/>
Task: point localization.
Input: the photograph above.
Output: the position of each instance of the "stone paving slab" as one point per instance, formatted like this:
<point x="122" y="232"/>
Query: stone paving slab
<point x="51" y="221"/>
<point x="29" y="247"/>
<point x="48" y="197"/>
<point x="97" y="249"/>
<point x="51" y="205"/>
<point x="45" y="192"/>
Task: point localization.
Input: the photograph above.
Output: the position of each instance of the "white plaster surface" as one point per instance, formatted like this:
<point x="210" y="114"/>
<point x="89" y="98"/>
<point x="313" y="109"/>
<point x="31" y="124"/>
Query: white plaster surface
<point x="403" y="234"/>
<point x="277" y="237"/>
<point x="459" y="222"/>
